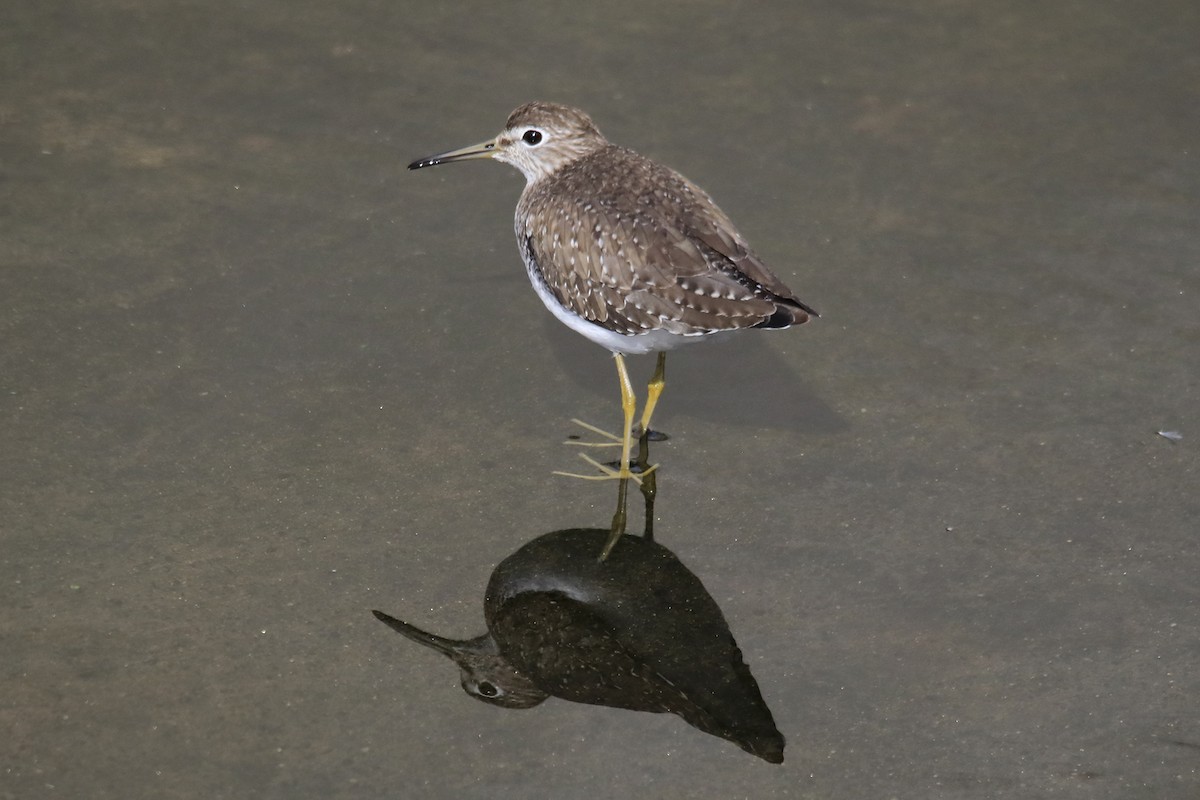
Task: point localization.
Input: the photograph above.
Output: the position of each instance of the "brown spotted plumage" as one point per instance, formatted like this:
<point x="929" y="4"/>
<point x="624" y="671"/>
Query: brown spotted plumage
<point x="637" y="247"/>
<point x="623" y="250"/>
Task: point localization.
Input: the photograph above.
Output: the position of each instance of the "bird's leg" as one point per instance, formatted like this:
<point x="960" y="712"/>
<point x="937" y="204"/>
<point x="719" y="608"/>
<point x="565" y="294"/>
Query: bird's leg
<point x="649" y="486"/>
<point x="618" y="522"/>
<point x="658" y="382"/>
<point x="629" y="408"/>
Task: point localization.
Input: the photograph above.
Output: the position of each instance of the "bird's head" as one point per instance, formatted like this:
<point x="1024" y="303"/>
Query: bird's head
<point x="538" y="139"/>
<point x="486" y="674"/>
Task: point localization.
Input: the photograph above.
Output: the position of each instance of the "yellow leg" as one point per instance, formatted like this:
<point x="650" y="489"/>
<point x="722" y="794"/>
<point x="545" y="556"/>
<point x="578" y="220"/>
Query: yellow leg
<point x="649" y="489"/>
<point x="654" y="390"/>
<point x="629" y="408"/>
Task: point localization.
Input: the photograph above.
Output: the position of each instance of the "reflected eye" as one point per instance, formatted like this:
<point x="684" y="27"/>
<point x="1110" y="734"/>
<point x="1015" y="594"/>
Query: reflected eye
<point x="532" y="137"/>
<point x="487" y="689"/>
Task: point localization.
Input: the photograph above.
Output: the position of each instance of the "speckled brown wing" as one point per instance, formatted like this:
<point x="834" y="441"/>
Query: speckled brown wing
<point x="634" y="247"/>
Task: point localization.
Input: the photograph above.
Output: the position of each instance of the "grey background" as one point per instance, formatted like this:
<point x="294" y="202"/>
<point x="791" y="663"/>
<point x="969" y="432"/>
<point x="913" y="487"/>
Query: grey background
<point x="256" y="379"/>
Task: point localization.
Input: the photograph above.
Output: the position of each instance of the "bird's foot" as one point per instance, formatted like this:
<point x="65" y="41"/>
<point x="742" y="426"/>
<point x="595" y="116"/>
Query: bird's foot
<point x="608" y="439"/>
<point x="611" y="471"/>
<point x="612" y="439"/>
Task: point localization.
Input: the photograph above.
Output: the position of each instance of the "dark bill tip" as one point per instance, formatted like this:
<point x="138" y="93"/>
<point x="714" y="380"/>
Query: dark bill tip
<point x="425" y="162"/>
<point x="481" y="150"/>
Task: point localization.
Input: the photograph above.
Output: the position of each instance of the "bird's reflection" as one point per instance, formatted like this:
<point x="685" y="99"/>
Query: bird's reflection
<point x="598" y="616"/>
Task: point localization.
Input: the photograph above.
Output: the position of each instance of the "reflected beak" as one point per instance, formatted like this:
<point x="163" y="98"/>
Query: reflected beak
<point x="447" y="647"/>
<point x="482" y="150"/>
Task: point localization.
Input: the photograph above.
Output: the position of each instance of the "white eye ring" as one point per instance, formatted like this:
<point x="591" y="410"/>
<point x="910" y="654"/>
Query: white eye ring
<point x="532" y="137"/>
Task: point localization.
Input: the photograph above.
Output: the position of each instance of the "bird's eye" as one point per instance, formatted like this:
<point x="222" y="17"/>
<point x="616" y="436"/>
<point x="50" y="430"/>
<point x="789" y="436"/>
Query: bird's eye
<point x="487" y="689"/>
<point x="532" y="137"/>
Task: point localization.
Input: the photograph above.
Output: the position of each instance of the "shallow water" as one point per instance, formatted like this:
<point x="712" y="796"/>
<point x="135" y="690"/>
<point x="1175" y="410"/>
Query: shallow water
<point x="258" y="380"/>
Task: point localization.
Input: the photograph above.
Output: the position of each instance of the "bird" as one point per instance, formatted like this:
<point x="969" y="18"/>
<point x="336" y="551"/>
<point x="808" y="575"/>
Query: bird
<point x="625" y="251"/>
<point x="636" y="631"/>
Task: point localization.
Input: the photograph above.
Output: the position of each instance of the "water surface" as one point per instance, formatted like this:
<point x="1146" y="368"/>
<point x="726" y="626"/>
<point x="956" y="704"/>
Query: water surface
<point x="257" y="380"/>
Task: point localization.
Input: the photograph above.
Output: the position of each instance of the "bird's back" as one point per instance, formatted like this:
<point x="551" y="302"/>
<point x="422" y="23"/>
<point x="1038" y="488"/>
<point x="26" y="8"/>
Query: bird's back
<point x="637" y="631"/>
<point x="634" y="246"/>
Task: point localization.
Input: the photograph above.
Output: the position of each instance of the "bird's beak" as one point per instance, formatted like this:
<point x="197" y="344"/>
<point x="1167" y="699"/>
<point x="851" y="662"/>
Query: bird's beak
<point x="482" y="150"/>
<point x="447" y="647"/>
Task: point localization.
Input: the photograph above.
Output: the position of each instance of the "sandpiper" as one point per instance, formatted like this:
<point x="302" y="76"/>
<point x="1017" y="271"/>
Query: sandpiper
<point x="625" y="251"/>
